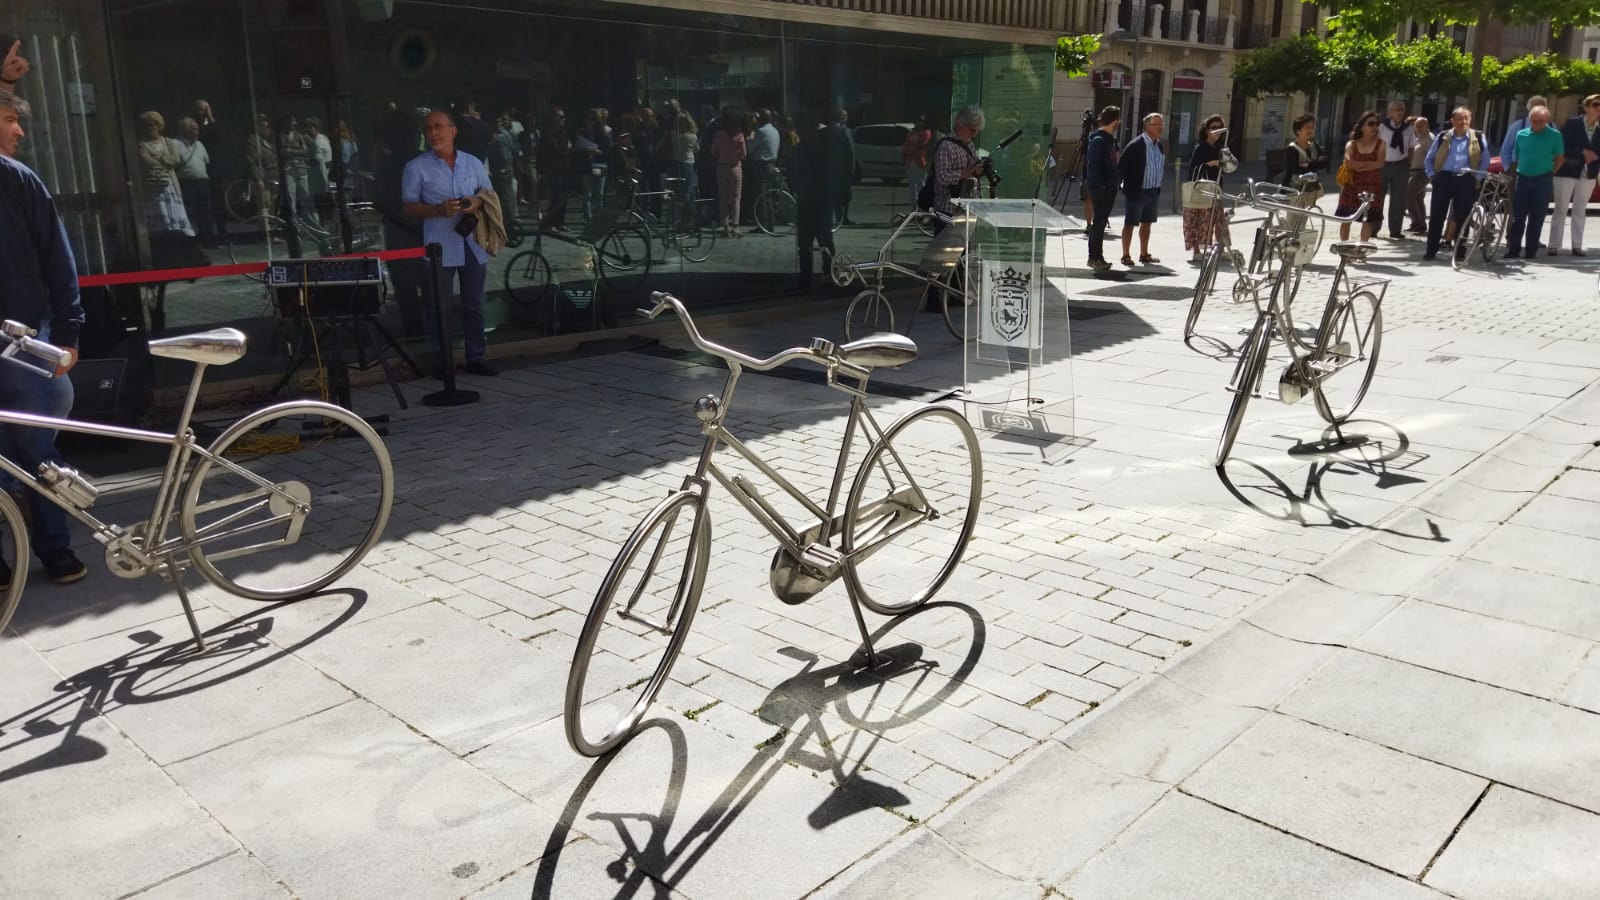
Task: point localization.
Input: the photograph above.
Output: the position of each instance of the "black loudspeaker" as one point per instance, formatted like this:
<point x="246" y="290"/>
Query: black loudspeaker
<point x="308" y="48"/>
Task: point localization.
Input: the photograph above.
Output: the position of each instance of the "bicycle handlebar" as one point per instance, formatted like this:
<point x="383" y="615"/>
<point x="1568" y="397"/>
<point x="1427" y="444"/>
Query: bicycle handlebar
<point x="21" y="339"/>
<point x="1259" y="201"/>
<point x="665" y="301"/>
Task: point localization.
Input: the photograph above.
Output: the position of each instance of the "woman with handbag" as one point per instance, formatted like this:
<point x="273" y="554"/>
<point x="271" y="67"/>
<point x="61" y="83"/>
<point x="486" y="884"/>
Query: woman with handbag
<point x="1204" y="222"/>
<point x="1362" y="173"/>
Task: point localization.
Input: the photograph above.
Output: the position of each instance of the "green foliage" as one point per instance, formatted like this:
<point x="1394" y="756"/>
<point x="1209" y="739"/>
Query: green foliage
<point x="1074" y="53"/>
<point x="1292" y="65"/>
<point x="1544" y="74"/>
<point x="1355" y="63"/>
<point x="1583" y="77"/>
<point x="1435" y="66"/>
<point x="1381" y="17"/>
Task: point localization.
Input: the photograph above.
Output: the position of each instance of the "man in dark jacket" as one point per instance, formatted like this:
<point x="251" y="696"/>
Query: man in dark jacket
<point x="813" y="165"/>
<point x="1142" y="166"/>
<point x="842" y="171"/>
<point x="40" y="290"/>
<point x="1574" y="178"/>
<point x="1101" y="177"/>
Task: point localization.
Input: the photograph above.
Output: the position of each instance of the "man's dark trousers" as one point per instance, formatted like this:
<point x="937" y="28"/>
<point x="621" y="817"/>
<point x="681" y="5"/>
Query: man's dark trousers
<point x="813" y="224"/>
<point x="1103" y="199"/>
<point x="1396" y="176"/>
<point x="1529" y="204"/>
<point x="1452" y="192"/>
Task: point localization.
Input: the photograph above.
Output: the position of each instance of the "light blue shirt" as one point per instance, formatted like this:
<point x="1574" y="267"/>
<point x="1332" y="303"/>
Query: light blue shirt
<point x="1459" y="157"/>
<point x="1508" y="147"/>
<point x="764" y="144"/>
<point x="429" y="179"/>
<point x="1155" y="163"/>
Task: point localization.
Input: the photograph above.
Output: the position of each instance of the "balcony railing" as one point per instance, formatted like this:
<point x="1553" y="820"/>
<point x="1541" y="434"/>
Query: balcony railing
<point x="1252" y="37"/>
<point x="1036" y="15"/>
<point x="1156" y="21"/>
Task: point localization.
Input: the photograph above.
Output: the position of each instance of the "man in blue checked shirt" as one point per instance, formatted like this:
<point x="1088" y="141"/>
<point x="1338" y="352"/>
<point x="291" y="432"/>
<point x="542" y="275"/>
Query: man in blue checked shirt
<point x="1142" y="166"/>
<point x="1456" y="164"/>
<point x="438" y="187"/>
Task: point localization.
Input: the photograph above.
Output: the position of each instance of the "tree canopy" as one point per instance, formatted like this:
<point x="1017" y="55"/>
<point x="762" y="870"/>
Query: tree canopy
<point x="1075" y="53"/>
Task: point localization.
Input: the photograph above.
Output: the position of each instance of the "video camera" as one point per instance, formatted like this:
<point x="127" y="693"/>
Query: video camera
<point x="1090" y="122"/>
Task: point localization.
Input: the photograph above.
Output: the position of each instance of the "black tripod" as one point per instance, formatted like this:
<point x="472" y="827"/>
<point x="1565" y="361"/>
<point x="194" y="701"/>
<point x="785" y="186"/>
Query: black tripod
<point x="1073" y="173"/>
<point x="328" y="334"/>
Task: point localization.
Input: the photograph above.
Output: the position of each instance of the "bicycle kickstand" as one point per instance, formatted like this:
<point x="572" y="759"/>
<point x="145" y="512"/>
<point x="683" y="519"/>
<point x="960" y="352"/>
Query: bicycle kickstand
<point x="175" y="573"/>
<point x="866" y="637"/>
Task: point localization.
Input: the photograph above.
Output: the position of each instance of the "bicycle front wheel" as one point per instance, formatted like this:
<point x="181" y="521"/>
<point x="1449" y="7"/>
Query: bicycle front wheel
<point x="16" y="550"/>
<point x="1202" y="287"/>
<point x="868" y="313"/>
<point x="623" y="258"/>
<point x="623" y="660"/>
<point x="1469" y="237"/>
<point x="695" y="241"/>
<point x="952" y="291"/>
<point x="1246" y="377"/>
<point x="288" y="499"/>
<point x="1354" y="337"/>
<point x="528" y="280"/>
<point x="911" y="510"/>
<point x="775" y="212"/>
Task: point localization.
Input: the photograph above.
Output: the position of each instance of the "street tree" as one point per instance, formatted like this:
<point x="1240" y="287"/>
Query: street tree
<point x="1380" y="18"/>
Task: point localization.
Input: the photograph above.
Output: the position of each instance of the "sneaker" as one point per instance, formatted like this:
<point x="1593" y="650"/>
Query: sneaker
<point x="62" y="565"/>
<point x="1579" y="253"/>
<point x="478" y="367"/>
<point x="1513" y="253"/>
<point x="1396" y="236"/>
<point x="1100" y="265"/>
<point x="1552" y="251"/>
<point x="1430" y="255"/>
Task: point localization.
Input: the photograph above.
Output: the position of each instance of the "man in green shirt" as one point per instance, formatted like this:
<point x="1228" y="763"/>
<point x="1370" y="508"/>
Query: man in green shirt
<point x="1539" y="150"/>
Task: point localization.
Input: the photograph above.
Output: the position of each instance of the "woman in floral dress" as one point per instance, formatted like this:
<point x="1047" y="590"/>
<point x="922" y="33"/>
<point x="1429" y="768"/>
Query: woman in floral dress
<point x="1364" y="157"/>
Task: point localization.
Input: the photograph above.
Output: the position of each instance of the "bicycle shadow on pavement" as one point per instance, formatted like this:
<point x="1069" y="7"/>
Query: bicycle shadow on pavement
<point x="1360" y="449"/>
<point x="157" y="668"/>
<point x="829" y="720"/>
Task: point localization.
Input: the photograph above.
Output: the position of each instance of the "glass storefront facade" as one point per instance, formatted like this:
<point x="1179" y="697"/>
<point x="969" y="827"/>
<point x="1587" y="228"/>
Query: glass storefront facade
<point x="307" y="176"/>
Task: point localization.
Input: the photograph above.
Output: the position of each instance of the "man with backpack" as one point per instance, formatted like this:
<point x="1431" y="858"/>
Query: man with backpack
<point x="1101" y="178"/>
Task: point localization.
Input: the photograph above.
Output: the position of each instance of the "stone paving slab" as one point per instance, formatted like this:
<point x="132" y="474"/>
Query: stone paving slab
<point x="1512" y="738"/>
<point x="1193" y="849"/>
<point x="1378" y="805"/>
<point x="237" y="876"/>
<point x="1519" y="845"/>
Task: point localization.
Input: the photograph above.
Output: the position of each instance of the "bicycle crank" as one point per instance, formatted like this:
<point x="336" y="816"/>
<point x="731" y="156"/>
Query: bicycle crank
<point x="1297" y="378"/>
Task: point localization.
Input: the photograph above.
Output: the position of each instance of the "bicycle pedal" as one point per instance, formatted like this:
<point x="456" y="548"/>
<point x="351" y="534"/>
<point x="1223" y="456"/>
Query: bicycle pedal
<point x="822" y="558"/>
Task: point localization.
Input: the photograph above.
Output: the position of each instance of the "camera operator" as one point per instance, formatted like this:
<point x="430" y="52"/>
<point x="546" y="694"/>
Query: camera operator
<point x="956" y="162"/>
<point x="1100" y="180"/>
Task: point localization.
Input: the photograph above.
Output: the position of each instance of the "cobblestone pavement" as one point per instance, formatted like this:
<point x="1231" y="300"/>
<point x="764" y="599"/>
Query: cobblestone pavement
<point x="401" y="736"/>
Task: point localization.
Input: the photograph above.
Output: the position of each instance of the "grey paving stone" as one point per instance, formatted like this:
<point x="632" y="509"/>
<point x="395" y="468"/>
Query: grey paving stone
<point x="1505" y="475"/>
<point x="1552" y="511"/>
<point x="1247" y="666"/>
<point x="1568" y="555"/>
<point x="237" y="876"/>
<point x="1467" y="502"/>
<point x="1388" y="808"/>
<point x="1189" y="848"/>
<point x="998" y="822"/>
<point x="572" y="872"/>
<point x="1370" y="566"/>
<point x="1519" y="845"/>
<point x="1578" y="484"/>
<point x="410" y="819"/>
<point x="1583" y="690"/>
<point x="1507" y="737"/>
<point x="1509" y="654"/>
<point x="1548" y="601"/>
<point x="1314" y="611"/>
<point x="693" y="807"/>
<point x="412" y="664"/>
<point x="921" y="861"/>
<point x="83" y="812"/>
<point x="1193" y="728"/>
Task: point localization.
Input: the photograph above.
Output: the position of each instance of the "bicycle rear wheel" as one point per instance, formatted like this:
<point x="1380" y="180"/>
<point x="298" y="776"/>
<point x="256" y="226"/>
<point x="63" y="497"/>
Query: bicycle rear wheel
<point x="1246" y="376"/>
<point x="868" y="313"/>
<point x="952" y="299"/>
<point x="911" y="510"/>
<point x="278" y="512"/>
<point x="528" y="280"/>
<point x="1471" y="234"/>
<point x="695" y="241"/>
<point x="1355" y="334"/>
<point x="623" y="258"/>
<point x="775" y="212"/>
<point x="17" y="551"/>
<point x="1202" y="287"/>
<point x="658" y="574"/>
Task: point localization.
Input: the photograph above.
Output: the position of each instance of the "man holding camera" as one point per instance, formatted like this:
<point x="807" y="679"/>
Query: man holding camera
<point x="440" y="188"/>
<point x="955" y="160"/>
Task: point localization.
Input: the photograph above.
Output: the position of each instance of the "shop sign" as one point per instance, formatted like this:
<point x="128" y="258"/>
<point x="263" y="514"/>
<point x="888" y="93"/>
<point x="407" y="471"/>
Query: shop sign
<point x="1188" y="83"/>
<point x="1112" y="79"/>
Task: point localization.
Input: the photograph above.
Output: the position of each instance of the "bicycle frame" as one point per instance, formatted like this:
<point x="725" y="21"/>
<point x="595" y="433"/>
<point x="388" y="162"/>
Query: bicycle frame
<point x="146" y="551"/>
<point x="885" y="261"/>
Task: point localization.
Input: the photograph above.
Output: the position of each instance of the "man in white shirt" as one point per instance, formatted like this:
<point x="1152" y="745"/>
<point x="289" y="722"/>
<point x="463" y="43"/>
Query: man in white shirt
<point x="194" y="180"/>
<point x="1398" y="141"/>
<point x="763" y="155"/>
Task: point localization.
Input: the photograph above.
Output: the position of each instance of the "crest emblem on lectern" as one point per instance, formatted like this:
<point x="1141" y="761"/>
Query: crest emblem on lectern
<point x="1010" y="304"/>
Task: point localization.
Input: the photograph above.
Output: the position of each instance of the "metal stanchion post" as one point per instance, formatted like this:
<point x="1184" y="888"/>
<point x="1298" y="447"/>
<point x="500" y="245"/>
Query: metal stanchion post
<point x="450" y="396"/>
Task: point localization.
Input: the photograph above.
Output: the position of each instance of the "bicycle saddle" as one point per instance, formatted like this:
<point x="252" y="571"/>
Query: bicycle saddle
<point x="1358" y="250"/>
<point x="217" y="347"/>
<point x="886" y="350"/>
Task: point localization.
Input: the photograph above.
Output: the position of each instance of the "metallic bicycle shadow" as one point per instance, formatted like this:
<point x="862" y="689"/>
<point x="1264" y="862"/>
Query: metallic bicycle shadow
<point x="848" y="690"/>
<point x="1358" y="448"/>
<point x="151" y="673"/>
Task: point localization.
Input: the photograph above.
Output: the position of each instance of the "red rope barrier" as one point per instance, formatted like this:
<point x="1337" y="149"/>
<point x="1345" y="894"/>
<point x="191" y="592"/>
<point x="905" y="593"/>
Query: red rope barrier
<point x="197" y="272"/>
